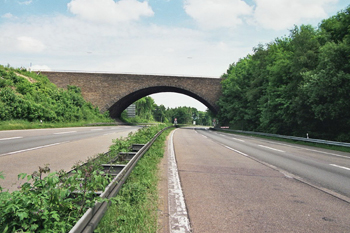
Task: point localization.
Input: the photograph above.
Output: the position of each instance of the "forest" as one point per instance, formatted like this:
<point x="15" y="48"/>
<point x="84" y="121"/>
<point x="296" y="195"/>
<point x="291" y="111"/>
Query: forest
<point x="147" y="110"/>
<point x="294" y="85"/>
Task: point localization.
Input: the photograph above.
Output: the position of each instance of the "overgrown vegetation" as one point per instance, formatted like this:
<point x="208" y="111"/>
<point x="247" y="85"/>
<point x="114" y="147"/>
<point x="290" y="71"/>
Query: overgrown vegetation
<point x="55" y="202"/>
<point x="294" y="85"/>
<point x="135" y="208"/>
<point x="31" y="97"/>
<point x="49" y="204"/>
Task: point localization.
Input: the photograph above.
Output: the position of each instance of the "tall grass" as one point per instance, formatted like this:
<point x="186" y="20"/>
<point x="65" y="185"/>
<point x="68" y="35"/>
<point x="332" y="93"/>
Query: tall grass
<point x="23" y="124"/>
<point x="135" y="207"/>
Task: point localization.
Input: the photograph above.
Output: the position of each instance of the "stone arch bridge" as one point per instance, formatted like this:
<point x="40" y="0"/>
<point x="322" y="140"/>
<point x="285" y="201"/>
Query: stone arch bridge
<point x="115" y="92"/>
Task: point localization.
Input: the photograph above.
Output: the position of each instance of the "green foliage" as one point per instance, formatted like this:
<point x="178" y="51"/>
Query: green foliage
<point x="147" y="111"/>
<point x="136" y="206"/>
<point x="144" y="108"/>
<point x="187" y="115"/>
<point x="294" y="85"/>
<point x="55" y="202"/>
<point x="47" y="204"/>
<point x="29" y="96"/>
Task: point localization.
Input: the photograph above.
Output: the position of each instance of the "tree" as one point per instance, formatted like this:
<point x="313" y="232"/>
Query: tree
<point x="293" y="85"/>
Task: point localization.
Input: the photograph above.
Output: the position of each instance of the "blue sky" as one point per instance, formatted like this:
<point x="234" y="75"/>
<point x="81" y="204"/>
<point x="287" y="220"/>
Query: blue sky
<point x="172" y="37"/>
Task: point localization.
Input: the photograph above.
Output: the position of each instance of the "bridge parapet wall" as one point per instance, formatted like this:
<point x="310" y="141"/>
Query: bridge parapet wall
<point x="105" y="90"/>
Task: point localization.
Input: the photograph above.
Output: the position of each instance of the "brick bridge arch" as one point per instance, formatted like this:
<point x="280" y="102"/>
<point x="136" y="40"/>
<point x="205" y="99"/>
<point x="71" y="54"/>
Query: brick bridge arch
<point x="115" y="92"/>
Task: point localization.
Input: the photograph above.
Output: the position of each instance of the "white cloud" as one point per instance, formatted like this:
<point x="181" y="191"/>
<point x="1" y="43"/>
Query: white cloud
<point x="26" y="2"/>
<point x="211" y="14"/>
<point x="29" y="44"/>
<point x="8" y="16"/>
<point x="40" y="68"/>
<point x="109" y="11"/>
<point x="283" y="14"/>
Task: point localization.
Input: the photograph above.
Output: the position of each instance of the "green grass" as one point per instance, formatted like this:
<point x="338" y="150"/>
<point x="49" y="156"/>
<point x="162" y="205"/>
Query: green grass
<point x="313" y="144"/>
<point x="134" y="209"/>
<point x="23" y="124"/>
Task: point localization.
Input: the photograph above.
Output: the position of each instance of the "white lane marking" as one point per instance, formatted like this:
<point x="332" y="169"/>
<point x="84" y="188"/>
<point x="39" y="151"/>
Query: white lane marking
<point x="65" y="132"/>
<point x="204" y="136"/>
<point x="96" y="129"/>
<point x="238" y="139"/>
<point x="334" y="165"/>
<point x="318" y="151"/>
<point x="34" y="148"/>
<point x="298" y="147"/>
<point x="271" y="148"/>
<point x="3" y="139"/>
<point x="178" y="217"/>
<point x="239" y="152"/>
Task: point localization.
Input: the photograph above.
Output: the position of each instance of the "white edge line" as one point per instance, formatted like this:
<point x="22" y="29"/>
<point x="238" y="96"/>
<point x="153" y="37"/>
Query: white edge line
<point x="271" y="148"/>
<point x="34" y="148"/>
<point x="178" y="216"/>
<point x="3" y="139"/>
<point x="334" y="165"/>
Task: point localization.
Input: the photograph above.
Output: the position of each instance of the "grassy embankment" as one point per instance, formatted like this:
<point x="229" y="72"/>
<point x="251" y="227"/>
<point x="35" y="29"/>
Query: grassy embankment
<point x="30" y="100"/>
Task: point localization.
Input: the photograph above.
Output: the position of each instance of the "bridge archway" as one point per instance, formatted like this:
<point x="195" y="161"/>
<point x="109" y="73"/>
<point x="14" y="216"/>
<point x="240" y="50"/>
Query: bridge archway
<point x="117" y="108"/>
<point x="115" y="92"/>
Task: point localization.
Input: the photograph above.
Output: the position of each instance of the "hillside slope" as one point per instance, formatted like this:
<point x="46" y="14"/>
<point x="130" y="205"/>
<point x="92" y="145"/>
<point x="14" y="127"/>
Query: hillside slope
<point x="29" y="96"/>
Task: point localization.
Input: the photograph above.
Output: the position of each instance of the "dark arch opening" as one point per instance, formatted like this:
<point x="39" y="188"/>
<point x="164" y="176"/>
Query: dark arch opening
<point x="117" y="108"/>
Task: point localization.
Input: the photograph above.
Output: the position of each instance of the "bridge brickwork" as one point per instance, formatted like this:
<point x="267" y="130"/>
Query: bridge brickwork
<point x="115" y="92"/>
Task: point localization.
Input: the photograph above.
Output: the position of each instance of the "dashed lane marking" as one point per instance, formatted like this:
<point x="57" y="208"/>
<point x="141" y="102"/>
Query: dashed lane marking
<point x="271" y="148"/>
<point x="239" y="152"/>
<point x="334" y="165"/>
<point x="238" y="139"/>
<point x="3" y="139"/>
<point x="65" y="132"/>
<point x="34" y="148"/>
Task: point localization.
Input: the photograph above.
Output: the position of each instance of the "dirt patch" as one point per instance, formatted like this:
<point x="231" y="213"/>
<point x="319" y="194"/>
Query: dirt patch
<point x="163" y="215"/>
<point x="26" y="77"/>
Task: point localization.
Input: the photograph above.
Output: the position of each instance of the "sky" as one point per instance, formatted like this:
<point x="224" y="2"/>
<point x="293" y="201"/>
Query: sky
<point x="199" y="38"/>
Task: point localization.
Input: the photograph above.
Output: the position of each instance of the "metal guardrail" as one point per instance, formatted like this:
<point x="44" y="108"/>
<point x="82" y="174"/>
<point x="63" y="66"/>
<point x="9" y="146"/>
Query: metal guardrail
<point x="320" y="141"/>
<point x="89" y="221"/>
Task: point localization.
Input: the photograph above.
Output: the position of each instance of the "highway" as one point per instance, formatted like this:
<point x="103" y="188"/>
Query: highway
<point x="23" y="151"/>
<point x="323" y="168"/>
<point x="233" y="183"/>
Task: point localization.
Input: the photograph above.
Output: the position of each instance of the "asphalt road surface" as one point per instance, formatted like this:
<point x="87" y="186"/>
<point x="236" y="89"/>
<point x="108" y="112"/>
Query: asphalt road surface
<point x="324" y="168"/>
<point x="235" y="183"/>
<point x="23" y="151"/>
